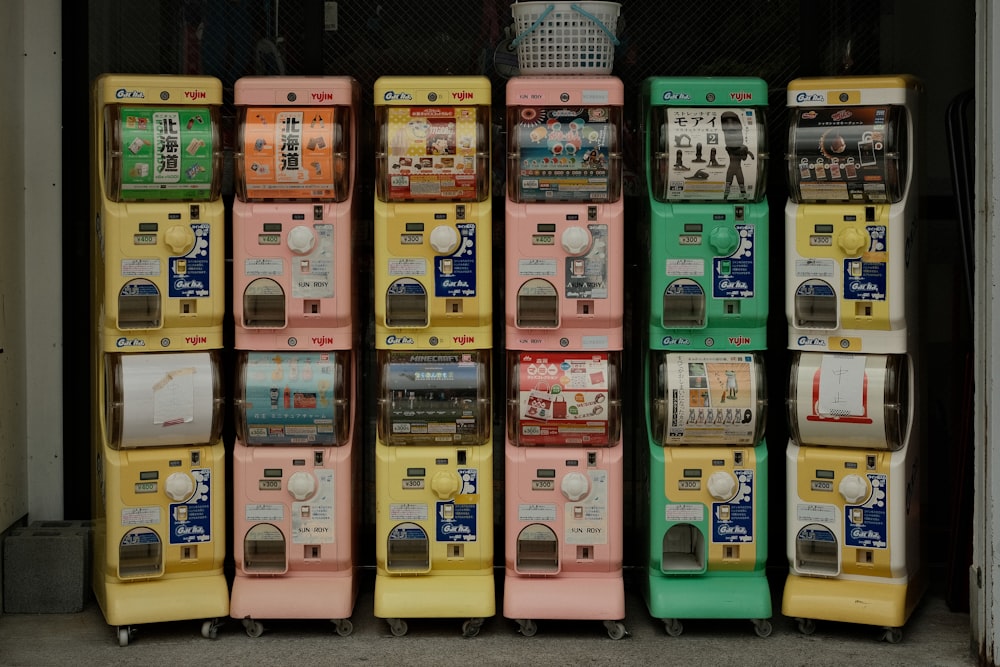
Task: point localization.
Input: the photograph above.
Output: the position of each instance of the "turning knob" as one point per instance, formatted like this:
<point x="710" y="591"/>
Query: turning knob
<point x="301" y="485"/>
<point x="444" y="239"/>
<point x="575" y="486"/>
<point x="575" y="240"/>
<point x="853" y="488"/>
<point x="179" y="239"/>
<point x="445" y="484"/>
<point x="852" y="240"/>
<point x="721" y="485"/>
<point x="179" y="486"/>
<point x="301" y="240"/>
<point x="724" y="240"/>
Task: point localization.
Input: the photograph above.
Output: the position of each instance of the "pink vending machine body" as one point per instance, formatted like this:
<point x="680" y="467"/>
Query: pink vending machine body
<point x="295" y="463"/>
<point x="564" y="310"/>
<point x="564" y="213"/>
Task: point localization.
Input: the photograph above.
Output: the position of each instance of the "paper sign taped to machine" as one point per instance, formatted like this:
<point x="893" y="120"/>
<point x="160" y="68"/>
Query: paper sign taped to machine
<point x="408" y="512"/>
<point x="685" y="512"/>
<point x="563" y="398"/>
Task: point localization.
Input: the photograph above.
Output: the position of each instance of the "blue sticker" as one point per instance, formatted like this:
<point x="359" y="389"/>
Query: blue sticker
<point x="189" y="274"/>
<point x="456" y="522"/>
<point x="455" y="274"/>
<point x="866" y="525"/>
<point x="732" y="276"/>
<point x="191" y="521"/>
<point x="732" y="521"/>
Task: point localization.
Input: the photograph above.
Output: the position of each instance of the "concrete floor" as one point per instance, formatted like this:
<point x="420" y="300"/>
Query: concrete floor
<point x="933" y="636"/>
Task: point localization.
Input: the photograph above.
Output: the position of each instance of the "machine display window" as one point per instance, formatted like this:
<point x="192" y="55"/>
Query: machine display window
<point x="704" y="154"/>
<point x="432" y="153"/>
<point x="293" y="398"/>
<point x="564" y="398"/>
<point x="162" y="153"/>
<point x="427" y="398"/>
<point x="560" y="154"/>
<point x="858" y="154"/>
<point x="293" y="153"/>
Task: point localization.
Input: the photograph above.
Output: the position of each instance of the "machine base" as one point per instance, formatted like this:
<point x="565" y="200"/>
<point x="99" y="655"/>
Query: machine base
<point x="435" y="595"/>
<point x="312" y="596"/>
<point x="564" y="597"/>
<point x="729" y="595"/>
<point x="163" y="600"/>
<point x="868" y="602"/>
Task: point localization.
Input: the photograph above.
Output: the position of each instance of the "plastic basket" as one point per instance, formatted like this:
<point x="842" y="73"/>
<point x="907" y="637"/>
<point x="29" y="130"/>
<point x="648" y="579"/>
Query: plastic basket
<point x="565" y="38"/>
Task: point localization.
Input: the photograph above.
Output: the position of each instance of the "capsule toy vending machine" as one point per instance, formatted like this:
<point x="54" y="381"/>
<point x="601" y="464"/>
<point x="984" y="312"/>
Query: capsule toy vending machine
<point x="158" y="303"/>
<point x="296" y="463"/>
<point x="853" y="458"/>
<point x="564" y="331"/>
<point x="705" y="163"/>
<point x="433" y="341"/>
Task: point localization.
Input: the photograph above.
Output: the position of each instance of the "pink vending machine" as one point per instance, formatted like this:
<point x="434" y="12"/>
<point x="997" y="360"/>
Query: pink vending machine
<point x="564" y="306"/>
<point x="296" y="500"/>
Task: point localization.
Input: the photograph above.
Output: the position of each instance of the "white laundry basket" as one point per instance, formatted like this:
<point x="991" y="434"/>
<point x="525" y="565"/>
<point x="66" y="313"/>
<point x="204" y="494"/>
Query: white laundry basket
<point x="565" y="38"/>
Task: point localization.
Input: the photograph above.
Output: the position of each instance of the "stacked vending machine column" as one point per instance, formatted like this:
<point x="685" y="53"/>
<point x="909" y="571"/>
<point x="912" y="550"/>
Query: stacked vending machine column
<point x="296" y="463"/>
<point x="433" y="340"/>
<point x="853" y="459"/>
<point x="564" y="309"/>
<point x="705" y="157"/>
<point x="158" y="302"/>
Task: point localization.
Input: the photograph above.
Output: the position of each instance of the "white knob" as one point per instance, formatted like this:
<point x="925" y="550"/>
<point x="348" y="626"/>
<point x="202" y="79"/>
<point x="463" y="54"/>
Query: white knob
<point x="575" y="240"/>
<point x="179" y="486"/>
<point x="575" y="486"/>
<point x="301" y="240"/>
<point x="853" y="488"/>
<point x="721" y="485"/>
<point x="301" y="485"/>
<point x="444" y="239"/>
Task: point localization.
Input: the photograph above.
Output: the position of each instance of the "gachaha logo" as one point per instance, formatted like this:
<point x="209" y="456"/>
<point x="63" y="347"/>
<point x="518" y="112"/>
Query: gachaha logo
<point x="195" y="94"/>
<point x="130" y="342"/>
<point x="398" y="340"/>
<point x="463" y="339"/>
<point x="123" y="94"/>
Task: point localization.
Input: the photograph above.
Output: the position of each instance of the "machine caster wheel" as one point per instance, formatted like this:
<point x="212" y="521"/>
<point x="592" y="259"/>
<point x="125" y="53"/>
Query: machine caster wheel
<point x="210" y="629"/>
<point x="762" y="627"/>
<point x="471" y="627"/>
<point x="527" y="627"/>
<point x="673" y="627"/>
<point x="892" y="635"/>
<point x="616" y="629"/>
<point x="125" y="633"/>
<point x="397" y="627"/>
<point x="807" y="626"/>
<point x="344" y="626"/>
<point x="253" y="628"/>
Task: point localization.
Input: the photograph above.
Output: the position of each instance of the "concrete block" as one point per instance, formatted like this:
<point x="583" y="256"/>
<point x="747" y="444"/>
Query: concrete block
<point x="46" y="570"/>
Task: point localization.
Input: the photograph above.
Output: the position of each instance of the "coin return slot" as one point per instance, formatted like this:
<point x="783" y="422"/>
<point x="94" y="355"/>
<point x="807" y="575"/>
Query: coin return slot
<point x="264" y="550"/>
<point x="683" y="549"/>
<point x="585" y="307"/>
<point x="731" y="552"/>
<point x="866" y="557"/>
<point x="189" y="553"/>
<point x="584" y="553"/>
<point x="731" y="307"/>
<point x="453" y="306"/>
<point x="264" y="305"/>
<point x="188" y="307"/>
<point x="406" y="310"/>
<point x="863" y="309"/>
<point x="311" y="307"/>
<point x="537" y="550"/>
<point x="456" y="551"/>
<point x="312" y="552"/>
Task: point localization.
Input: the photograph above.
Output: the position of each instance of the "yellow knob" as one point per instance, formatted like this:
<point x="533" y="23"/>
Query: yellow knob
<point x="179" y="239"/>
<point x="445" y="484"/>
<point x="852" y="240"/>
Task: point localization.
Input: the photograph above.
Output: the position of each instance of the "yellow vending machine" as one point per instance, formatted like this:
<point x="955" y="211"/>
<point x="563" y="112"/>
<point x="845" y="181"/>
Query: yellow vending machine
<point x="433" y="337"/>
<point x="158" y="239"/>
<point x="853" y="462"/>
